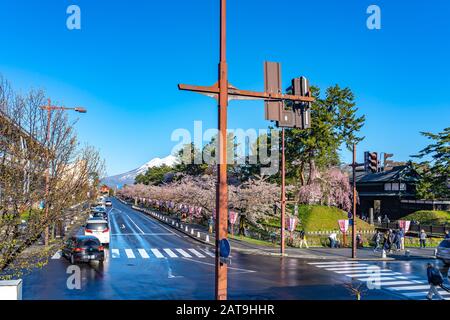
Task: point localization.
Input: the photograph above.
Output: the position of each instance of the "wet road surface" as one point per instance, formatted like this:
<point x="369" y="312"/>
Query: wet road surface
<point x="149" y="260"/>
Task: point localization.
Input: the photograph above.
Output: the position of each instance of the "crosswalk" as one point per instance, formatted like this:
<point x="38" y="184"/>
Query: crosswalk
<point x="154" y="253"/>
<point x="412" y="287"/>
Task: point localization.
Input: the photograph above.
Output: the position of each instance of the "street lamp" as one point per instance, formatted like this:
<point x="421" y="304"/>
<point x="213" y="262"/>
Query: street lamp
<point x="49" y="108"/>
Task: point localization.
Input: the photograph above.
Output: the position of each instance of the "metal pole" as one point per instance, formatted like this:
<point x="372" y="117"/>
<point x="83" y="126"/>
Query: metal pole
<point x="47" y="176"/>
<point x="222" y="187"/>
<point x="283" y="192"/>
<point x="354" y="204"/>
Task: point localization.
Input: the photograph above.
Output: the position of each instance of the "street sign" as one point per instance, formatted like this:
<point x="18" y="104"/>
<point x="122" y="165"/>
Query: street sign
<point x="272" y="84"/>
<point x="224" y="248"/>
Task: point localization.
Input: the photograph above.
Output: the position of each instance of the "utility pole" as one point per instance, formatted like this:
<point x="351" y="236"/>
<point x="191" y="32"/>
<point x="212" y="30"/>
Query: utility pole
<point x="223" y="91"/>
<point x="49" y="108"/>
<point x="354" y="164"/>
<point x="283" y="193"/>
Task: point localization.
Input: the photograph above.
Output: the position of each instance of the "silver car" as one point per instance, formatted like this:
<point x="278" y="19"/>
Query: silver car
<point x="443" y="251"/>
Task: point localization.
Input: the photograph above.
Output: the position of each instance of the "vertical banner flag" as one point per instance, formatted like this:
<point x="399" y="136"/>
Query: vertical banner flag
<point x="404" y="224"/>
<point x="233" y="217"/>
<point x="343" y="225"/>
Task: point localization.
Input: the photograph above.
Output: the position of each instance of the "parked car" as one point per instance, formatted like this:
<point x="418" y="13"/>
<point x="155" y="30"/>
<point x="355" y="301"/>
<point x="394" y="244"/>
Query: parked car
<point x="98" y="214"/>
<point x="443" y="251"/>
<point x="99" y="228"/>
<point x="83" y="249"/>
<point x="108" y="203"/>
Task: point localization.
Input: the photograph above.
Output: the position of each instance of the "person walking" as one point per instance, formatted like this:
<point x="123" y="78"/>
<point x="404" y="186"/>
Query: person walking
<point x="303" y="239"/>
<point x="435" y="280"/>
<point x="422" y="239"/>
<point x="377" y="240"/>
<point x="447" y="235"/>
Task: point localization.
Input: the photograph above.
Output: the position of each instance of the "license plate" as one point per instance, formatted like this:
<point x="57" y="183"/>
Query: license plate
<point x="92" y="257"/>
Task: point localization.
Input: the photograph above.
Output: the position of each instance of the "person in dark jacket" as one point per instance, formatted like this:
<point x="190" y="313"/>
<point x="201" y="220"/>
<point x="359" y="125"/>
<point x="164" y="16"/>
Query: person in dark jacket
<point x="435" y="280"/>
<point x="447" y="235"/>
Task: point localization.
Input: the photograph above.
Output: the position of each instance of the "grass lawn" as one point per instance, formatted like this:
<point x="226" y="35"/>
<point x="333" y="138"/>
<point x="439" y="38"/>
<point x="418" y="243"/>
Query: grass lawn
<point x="429" y="217"/>
<point x="252" y="241"/>
<point x="320" y="218"/>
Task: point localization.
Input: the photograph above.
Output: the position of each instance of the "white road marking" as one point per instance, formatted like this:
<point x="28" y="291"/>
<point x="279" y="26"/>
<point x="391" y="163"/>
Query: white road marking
<point x="184" y="253"/>
<point x="347" y="268"/>
<point x="57" y="255"/>
<point x="170" y="253"/>
<point x="157" y="253"/>
<point x="229" y="268"/>
<point x="143" y="254"/>
<point x="376" y="278"/>
<point x="135" y="225"/>
<point x="396" y="283"/>
<point x="350" y="271"/>
<point x="356" y="275"/>
<point x="334" y="262"/>
<point x="198" y="254"/>
<point x="423" y="294"/>
<point x="130" y="254"/>
<point x="408" y="288"/>
<point x="340" y="265"/>
<point x="115" y="253"/>
<point x="209" y="253"/>
<point x="141" y="234"/>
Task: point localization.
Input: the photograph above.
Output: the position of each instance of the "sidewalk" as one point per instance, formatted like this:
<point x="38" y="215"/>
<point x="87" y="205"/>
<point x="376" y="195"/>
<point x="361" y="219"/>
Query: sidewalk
<point x="200" y="233"/>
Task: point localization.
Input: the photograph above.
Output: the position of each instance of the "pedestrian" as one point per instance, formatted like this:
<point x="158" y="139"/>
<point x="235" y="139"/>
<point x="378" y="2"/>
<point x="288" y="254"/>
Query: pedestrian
<point x="303" y="239"/>
<point x="422" y="239"/>
<point x="377" y="240"/>
<point x="379" y="219"/>
<point x="333" y="240"/>
<point x="210" y="224"/>
<point x="359" y="241"/>
<point x="447" y="235"/>
<point x="435" y="279"/>
<point x="397" y="240"/>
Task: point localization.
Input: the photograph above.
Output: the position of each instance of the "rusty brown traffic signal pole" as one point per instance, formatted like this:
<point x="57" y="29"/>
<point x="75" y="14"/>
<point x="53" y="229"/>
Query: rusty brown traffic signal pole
<point x="283" y="194"/>
<point x="354" y="165"/>
<point x="222" y="184"/>
<point x="223" y="91"/>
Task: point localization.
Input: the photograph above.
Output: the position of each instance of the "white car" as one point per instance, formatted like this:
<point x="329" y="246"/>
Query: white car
<point x="443" y="251"/>
<point x="98" y="228"/>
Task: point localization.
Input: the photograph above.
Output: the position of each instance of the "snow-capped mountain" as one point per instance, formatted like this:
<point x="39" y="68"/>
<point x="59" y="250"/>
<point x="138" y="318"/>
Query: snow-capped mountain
<point x="128" y="177"/>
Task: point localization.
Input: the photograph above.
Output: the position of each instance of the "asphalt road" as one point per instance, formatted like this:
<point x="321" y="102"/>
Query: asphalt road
<point x="149" y="260"/>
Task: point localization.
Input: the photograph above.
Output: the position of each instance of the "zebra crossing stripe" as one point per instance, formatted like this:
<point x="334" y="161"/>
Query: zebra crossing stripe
<point x="130" y="254"/>
<point x="376" y="277"/>
<point x="340" y="265"/>
<point x="350" y="271"/>
<point x="408" y="288"/>
<point x="198" y="254"/>
<point x="115" y="253"/>
<point x="334" y="262"/>
<point x="356" y="275"/>
<point x="184" y="253"/>
<point x="143" y="254"/>
<point x="347" y="268"/>
<point x="157" y="253"/>
<point x="57" y="255"/>
<point x="209" y="253"/>
<point x="396" y="283"/>
<point x="170" y="253"/>
<point x="423" y="293"/>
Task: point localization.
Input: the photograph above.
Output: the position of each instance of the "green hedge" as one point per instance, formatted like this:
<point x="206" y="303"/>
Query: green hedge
<point x="429" y="217"/>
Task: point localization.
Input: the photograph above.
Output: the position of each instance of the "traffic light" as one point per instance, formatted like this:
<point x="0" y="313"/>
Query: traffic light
<point x="272" y="84"/>
<point x="371" y="161"/>
<point x="300" y="87"/>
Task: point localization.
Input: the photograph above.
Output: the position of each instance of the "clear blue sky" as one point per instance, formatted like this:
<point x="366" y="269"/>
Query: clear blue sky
<point x="125" y="63"/>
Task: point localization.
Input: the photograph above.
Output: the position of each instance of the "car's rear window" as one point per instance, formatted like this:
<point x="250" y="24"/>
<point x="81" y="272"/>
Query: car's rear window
<point x="445" y="244"/>
<point x="89" y="243"/>
<point x="97" y="226"/>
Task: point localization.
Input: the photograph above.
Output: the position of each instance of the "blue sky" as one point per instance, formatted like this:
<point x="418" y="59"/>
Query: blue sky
<point x="125" y="63"/>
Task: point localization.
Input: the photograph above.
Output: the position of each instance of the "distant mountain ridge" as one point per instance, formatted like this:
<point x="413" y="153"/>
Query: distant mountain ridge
<point x="128" y="177"/>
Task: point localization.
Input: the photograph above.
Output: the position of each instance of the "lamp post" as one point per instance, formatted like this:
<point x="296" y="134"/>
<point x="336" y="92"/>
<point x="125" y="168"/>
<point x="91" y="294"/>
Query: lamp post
<point x="49" y="108"/>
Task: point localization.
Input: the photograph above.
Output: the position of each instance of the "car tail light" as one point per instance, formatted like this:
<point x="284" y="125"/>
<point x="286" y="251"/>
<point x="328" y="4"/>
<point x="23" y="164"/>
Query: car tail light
<point x="88" y="230"/>
<point x="77" y="249"/>
<point x="106" y="230"/>
<point x="101" y="248"/>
